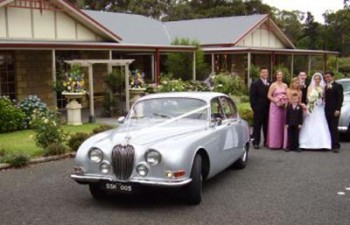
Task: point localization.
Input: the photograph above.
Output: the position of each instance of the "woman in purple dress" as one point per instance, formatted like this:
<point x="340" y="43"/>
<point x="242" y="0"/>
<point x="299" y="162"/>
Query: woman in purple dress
<point x="278" y="96"/>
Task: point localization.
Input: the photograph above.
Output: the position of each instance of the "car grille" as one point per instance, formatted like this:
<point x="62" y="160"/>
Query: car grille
<point x="123" y="161"/>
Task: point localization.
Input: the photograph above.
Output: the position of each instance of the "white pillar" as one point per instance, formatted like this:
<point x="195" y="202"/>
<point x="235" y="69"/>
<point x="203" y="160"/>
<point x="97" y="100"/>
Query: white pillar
<point x="127" y="93"/>
<point x="194" y="66"/>
<point x="249" y="62"/>
<point x="109" y="66"/>
<point x="91" y="95"/>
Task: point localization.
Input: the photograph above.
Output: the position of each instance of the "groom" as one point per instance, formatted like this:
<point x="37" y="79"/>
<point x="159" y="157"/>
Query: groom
<point x="334" y="100"/>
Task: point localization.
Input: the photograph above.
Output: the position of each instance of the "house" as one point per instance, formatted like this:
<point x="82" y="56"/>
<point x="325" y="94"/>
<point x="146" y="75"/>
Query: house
<point x="38" y="36"/>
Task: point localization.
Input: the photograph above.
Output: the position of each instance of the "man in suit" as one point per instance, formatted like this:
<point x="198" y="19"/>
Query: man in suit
<point x="294" y="120"/>
<point x="303" y="86"/>
<point x="334" y="100"/>
<point x="260" y="105"/>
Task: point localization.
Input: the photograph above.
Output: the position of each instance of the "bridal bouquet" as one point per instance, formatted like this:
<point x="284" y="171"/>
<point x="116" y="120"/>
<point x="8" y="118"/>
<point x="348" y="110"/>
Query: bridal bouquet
<point x="281" y="100"/>
<point x="314" y="99"/>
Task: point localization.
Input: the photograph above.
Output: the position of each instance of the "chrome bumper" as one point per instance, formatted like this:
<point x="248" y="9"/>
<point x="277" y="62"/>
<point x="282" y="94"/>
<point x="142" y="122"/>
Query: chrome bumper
<point x="83" y="179"/>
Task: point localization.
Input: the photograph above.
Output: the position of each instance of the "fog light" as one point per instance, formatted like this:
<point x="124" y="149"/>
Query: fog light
<point x="142" y="170"/>
<point x="168" y="174"/>
<point x="105" y="167"/>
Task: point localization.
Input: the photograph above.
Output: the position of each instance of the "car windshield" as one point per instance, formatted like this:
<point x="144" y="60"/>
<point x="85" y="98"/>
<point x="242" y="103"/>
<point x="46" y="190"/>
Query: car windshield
<point x="170" y="108"/>
<point x="345" y="84"/>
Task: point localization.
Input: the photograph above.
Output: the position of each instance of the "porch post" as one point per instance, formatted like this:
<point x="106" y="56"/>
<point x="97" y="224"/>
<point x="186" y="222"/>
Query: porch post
<point x="213" y="63"/>
<point x="152" y="68"/>
<point x="249" y="62"/>
<point x="54" y="79"/>
<point x="292" y="66"/>
<point x="109" y="66"/>
<point x="309" y="66"/>
<point x="127" y="93"/>
<point x="157" y="66"/>
<point x="92" y="118"/>
<point x="194" y="66"/>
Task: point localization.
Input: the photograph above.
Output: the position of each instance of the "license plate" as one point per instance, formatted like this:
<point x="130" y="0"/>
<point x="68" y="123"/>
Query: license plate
<point x="120" y="187"/>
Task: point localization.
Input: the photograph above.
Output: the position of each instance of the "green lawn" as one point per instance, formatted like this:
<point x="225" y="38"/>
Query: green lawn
<point x="23" y="141"/>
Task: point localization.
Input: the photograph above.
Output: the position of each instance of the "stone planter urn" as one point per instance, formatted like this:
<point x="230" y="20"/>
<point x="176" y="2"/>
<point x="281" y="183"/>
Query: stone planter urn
<point x="73" y="108"/>
<point x="136" y="93"/>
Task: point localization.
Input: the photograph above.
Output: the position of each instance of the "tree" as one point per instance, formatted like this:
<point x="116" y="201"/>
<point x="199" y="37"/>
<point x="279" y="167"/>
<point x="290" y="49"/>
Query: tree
<point x="180" y="64"/>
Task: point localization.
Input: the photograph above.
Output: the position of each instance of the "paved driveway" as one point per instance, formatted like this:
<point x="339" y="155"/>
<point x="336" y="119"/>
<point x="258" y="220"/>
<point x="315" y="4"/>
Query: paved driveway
<point x="276" y="188"/>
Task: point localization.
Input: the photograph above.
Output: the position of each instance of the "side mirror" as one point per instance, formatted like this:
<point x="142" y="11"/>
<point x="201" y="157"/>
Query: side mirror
<point x="216" y="122"/>
<point x="121" y="119"/>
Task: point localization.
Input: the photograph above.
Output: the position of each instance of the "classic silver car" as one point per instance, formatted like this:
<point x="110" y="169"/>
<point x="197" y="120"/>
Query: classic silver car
<point x="169" y="140"/>
<point x="344" y="119"/>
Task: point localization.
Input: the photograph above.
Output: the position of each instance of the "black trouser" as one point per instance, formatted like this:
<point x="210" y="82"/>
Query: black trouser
<point x="293" y="137"/>
<point x="260" y="120"/>
<point x="333" y="129"/>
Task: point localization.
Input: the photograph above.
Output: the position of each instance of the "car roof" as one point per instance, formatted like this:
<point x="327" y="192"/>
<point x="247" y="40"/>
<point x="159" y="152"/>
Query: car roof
<point x="205" y="96"/>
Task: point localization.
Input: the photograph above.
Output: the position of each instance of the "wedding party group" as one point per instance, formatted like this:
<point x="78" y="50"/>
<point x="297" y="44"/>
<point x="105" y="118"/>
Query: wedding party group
<point x="299" y="116"/>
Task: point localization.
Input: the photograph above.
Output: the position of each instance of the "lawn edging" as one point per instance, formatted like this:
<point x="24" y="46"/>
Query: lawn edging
<point x="41" y="160"/>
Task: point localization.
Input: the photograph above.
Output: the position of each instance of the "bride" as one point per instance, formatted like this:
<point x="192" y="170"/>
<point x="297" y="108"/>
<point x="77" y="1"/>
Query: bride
<point x="314" y="133"/>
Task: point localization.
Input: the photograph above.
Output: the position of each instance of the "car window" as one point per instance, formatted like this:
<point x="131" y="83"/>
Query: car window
<point x="216" y="110"/>
<point x="229" y="107"/>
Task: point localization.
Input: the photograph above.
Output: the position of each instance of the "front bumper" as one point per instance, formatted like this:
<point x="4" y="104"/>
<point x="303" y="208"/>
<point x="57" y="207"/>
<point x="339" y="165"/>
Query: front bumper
<point x="88" y="179"/>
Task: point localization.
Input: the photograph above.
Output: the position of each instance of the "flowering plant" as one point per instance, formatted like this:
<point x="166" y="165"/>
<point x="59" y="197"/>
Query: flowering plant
<point x="314" y="98"/>
<point x="74" y="80"/>
<point x="281" y="100"/>
<point x="137" y="81"/>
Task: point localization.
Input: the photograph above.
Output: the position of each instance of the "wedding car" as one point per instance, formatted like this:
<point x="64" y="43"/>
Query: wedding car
<point x="167" y="140"/>
<point x="344" y="119"/>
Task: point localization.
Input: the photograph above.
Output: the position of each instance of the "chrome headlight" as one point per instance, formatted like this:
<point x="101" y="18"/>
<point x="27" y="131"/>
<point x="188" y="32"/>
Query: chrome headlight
<point x="152" y="157"/>
<point x="142" y="170"/>
<point x="96" y="155"/>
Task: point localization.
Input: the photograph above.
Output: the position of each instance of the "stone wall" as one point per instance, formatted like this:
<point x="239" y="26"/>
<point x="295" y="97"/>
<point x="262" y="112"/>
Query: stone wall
<point x="34" y="75"/>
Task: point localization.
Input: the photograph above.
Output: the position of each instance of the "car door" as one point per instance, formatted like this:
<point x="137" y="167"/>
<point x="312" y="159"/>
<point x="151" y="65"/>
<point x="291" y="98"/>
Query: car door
<point x="234" y="135"/>
<point x="220" y="141"/>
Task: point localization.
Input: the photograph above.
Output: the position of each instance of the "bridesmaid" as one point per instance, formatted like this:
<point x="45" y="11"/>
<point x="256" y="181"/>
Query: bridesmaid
<point x="278" y="96"/>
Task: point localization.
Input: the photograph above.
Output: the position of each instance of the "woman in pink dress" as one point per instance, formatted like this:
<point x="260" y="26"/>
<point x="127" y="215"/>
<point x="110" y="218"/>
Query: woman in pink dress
<point x="278" y="96"/>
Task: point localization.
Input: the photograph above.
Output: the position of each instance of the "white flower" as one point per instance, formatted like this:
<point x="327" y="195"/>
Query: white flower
<point x="46" y="120"/>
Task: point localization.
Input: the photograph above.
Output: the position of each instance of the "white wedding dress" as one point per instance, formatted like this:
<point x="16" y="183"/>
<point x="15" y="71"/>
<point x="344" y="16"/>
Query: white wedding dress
<point x="314" y="133"/>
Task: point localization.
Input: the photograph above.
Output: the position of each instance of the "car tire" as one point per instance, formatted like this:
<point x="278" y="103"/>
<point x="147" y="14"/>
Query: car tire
<point x="97" y="192"/>
<point x="242" y="162"/>
<point x="194" y="189"/>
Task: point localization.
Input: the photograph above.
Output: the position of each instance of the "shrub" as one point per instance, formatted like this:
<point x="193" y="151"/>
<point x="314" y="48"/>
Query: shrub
<point x="246" y="113"/>
<point x="244" y="98"/>
<point x="195" y="85"/>
<point x="167" y="84"/>
<point x="3" y="153"/>
<point x="11" y="117"/>
<point x="30" y="105"/>
<point x="76" y="140"/>
<point x="47" y="128"/>
<point x="55" y="149"/>
<point x="227" y="84"/>
<point x="17" y="159"/>
<point x="101" y="129"/>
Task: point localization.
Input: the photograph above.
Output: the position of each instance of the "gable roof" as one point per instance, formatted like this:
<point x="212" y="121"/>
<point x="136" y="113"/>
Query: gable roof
<point x="222" y="30"/>
<point x="75" y="13"/>
<point x="135" y="29"/>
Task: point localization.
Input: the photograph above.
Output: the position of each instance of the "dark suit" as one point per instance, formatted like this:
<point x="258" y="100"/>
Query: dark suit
<point x="303" y="89"/>
<point x="294" y="118"/>
<point x="260" y="105"/>
<point x="334" y="100"/>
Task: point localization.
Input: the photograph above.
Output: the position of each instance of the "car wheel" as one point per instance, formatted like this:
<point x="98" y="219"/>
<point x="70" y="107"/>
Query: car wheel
<point x="241" y="163"/>
<point x="97" y="192"/>
<point x="194" y="189"/>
